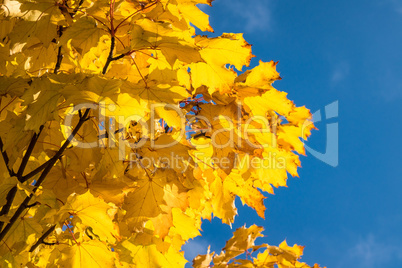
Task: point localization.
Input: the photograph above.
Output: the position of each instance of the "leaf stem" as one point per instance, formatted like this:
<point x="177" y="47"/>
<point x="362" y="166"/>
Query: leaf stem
<point x="71" y="232"/>
<point x="42" y="177"/>
<point x="112" y="30"/>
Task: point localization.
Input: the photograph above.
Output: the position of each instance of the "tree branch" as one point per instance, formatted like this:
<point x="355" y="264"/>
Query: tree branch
<point x="6" y="159"/>
<point x="59" y="59"/>
<point x="43" y="237"/>
<point x="110" y="57"/>
<point x="59" y="54"/>
<point x="28" y="153"/>
<point x="42" y="177"/>
<point x="6" y="208"/>
<point x="60" y="30"/>
<point x="11" y="194"/>
<point x="142" y="8"/>
<point x="34" y="172"/>
<point x="118" y="57"/>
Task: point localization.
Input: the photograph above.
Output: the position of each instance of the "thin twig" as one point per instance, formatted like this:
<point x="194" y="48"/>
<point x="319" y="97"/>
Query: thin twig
<point x="119" y="57"/>
<point x="43" y="237"/>
<point x="59" y="59"/>
<point x="150" y="5"/>
<point x="33" y="204"/>
<point x="138" y="69"/>
<point x="60" y="30"/>
<point x="71" y="232"/>
<point x="77" y="8"/>
<point x="42" y="177"/>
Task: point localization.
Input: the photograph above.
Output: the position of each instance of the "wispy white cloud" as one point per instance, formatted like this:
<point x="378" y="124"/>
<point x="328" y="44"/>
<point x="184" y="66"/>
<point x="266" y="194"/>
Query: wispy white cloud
<point x="252" y="15"/>
<point x="389" y="85"/>
<point x="371" y="252"/>
<point x="194" y="248"/>
<point x="395" y="5"/>
<point x="340" y="71"/>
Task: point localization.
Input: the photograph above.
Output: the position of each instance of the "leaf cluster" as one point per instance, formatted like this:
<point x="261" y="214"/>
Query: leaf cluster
<point x="76" y="72"/>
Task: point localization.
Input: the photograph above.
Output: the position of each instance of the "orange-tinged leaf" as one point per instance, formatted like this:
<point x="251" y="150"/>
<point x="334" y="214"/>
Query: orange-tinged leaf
<point x="263" y="75"/>
<point x="246" y="191"/>
<point x="203" y="261"/>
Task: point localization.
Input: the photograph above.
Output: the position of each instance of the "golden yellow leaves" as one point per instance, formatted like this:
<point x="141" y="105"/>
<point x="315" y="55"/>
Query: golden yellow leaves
<point x="184" y="225"/>
<point x="143" y="250"/>
<point x="23" y="235"/>
<point x="243" y="241"/>
<point x="157" y="194"/>
<point x="93" y="212"/>
<point x="283" y="256"/>
<point x="229" y="49"/>
<point x="84" y="34"/>
<point x="93" y="253"/>
<point x="172" y="137"/>
<point x="193" y="14"/>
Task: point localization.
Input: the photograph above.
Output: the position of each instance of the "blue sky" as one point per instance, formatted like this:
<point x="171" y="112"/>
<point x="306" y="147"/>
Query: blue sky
<point x="345" y="51"/>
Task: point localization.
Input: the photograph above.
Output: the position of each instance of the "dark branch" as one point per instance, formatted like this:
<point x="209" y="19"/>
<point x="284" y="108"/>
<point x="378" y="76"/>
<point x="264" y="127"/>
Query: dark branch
<point x="6" y="159"/>
<point x="78" y="7"/>
<point x="119" y="57"/>
<point x="28" y="153"/>
<point x="106" y="134"/>
<point x="59" y="59"/>
<point x="42" y="177"/>
<point x="11" y="194"/>
<point x="49" y="244"/>
<point x="33" y="204"/>
<point x="34" y="172"/>
<point x="110" y="57"/>
<point x="59" y="54"/>
<point x="43" y="237"/>
<point x="6" y="208"/>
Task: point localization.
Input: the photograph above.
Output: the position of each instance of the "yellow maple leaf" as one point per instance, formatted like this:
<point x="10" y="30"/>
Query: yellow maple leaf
<point x="93" y="253"/>
<point x="84" y="34"/>
<point x="184" y="225"/>
<point x="157" y="193"/>
<point x="92" y="211"/>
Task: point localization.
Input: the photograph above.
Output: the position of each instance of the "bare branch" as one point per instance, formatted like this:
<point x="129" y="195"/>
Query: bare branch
<point x="6" y="208"/>
<point x="42" y="177"/>
<point x="28" y="153"/>
<point x="6" y="159"/>
<point x="43" y="237"/>
<point x="110" y="57"/>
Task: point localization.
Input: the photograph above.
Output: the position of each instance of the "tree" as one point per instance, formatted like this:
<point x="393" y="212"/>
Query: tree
<point x="121" y="129"/>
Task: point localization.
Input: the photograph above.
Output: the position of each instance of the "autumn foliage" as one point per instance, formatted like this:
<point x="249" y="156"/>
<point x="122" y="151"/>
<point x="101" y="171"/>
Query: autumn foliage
<point x="121" y="130"/>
